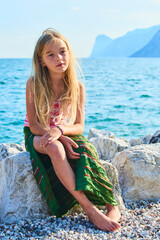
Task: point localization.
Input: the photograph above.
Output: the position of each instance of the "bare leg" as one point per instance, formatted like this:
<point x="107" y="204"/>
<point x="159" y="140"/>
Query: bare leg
<point x="58" y="157"/>
<point x="113" y="212"/>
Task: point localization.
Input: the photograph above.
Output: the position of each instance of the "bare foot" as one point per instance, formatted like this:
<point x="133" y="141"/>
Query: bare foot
<point x="113" y="212"/>
<point x="100" y="220"/>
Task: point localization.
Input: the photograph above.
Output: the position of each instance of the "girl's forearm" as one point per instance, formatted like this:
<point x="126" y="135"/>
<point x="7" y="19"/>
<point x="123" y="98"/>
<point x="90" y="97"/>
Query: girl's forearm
<point x="72" y="129"/>
<point x="38" y="129"/>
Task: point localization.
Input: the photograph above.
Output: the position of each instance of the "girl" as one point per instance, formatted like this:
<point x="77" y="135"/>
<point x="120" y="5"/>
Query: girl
<point x="65" y="164"/>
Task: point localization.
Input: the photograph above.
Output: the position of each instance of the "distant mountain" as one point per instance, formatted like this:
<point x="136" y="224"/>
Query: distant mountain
<point x="152" y="49"/>
<point x="101" y="42"/>
<point x="123" y="46"/>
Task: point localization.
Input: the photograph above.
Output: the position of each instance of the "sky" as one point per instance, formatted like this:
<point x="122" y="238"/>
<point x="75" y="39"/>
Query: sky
<point x="80" y="21"/>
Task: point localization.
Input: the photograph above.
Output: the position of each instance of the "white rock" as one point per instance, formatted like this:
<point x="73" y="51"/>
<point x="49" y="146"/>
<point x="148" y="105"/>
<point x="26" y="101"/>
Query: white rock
<point x="139" y="172"/>
<point x="99" y="133"/>
<point x="7" y="149"/>
<point x="142" y="140"/>
<point x="112" y="175"/>
<point x="108" y="147"/>
<point x="22" y="144"/>
<point x="135" y="141"/>
<point x="20" y="197"/>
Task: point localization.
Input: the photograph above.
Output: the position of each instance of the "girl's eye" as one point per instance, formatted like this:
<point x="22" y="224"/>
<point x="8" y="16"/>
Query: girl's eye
<point x="63" y="51"/>
<point x="50" y="55"/>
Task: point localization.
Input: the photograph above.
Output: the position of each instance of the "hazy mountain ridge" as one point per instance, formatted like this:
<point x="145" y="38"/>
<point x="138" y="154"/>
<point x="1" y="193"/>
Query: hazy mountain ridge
<point x="101" y="42"/>
<point x="125" y="45"/>
<point x="152" y="49"/>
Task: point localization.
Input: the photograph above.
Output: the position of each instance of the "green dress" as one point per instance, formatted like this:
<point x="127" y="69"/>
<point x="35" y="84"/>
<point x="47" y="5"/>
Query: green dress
<point x="90" y="175"/>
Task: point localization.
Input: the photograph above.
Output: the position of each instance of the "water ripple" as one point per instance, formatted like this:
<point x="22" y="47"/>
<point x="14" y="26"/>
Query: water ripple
<point x="122" y="96"/>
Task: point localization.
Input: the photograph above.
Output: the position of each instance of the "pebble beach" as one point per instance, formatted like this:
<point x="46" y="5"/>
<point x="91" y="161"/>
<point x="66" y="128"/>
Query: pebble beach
<point x="140" y="220"/>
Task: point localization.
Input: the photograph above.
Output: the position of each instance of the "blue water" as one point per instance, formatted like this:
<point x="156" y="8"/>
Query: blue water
<point x="122" y="96"/>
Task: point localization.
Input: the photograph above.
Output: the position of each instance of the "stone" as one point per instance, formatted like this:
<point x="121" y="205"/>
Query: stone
<point x="135" y="141"/>
<point x="20" y="197"/>
<point x="142" y="140"/>
<point x="146" y="139"/>
<point x="139" y="172"/>
<point x="99" y="133"/>
<point x="108" y="147"/>
<point x="7" y="149"/>
<point x="156" y="137"/>
<point x="22" y="144"/>
<point x="112" y="175"/>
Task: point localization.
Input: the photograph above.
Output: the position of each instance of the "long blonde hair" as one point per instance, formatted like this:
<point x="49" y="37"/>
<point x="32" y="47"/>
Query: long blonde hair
<point x="43" y="92"/>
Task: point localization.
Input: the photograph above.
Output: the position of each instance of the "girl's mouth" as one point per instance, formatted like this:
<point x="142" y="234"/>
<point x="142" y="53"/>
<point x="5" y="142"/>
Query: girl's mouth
<point x="60" y="65"/>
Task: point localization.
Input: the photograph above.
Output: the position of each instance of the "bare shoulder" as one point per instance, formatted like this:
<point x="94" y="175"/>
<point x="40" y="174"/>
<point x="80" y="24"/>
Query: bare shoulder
<point x="30" y="90"/>
<point x="82" y="93"/>
<point x="30" y="81"/>
<point x="81" y="87"/>
<point x="29" y="84"/>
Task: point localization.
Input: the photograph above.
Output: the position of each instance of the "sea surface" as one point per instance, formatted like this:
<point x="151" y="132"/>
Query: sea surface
<point x="122" y="96"/>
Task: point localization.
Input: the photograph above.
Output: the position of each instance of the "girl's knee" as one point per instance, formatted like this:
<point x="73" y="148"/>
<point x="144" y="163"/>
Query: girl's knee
<point x="56" y="150"/>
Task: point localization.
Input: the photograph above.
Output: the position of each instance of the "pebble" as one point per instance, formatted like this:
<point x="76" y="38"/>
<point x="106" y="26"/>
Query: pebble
<point x="140" y="220"/>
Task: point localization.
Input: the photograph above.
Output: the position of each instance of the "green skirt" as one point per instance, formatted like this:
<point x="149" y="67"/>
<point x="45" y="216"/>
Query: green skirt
<point x="90" y="176"/>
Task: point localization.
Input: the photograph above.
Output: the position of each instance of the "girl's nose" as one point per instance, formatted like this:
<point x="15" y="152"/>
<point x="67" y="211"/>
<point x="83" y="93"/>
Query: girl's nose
<point x="59" y="57"/>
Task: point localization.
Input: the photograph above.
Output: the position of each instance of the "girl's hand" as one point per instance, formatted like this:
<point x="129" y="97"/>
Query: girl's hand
<point x="50" y="136"/>
<point x="68" y="143"/>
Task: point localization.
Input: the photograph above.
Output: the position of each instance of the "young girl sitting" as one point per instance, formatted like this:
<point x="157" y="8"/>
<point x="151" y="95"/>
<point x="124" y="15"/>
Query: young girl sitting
<point x="65" y="164"/>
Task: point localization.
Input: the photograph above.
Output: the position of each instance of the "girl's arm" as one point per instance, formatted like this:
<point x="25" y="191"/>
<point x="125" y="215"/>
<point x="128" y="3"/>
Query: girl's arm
<point x="78" y="126"/>
<point x="47" y="134"/>
<point x="38" y="129"/>
<point x="35" y="127"/>
<point x="51" y="134"/>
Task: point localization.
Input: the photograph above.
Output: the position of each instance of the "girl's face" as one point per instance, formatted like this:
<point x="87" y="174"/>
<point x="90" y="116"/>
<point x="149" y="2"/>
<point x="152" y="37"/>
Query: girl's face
<point x="56" y="57"/>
